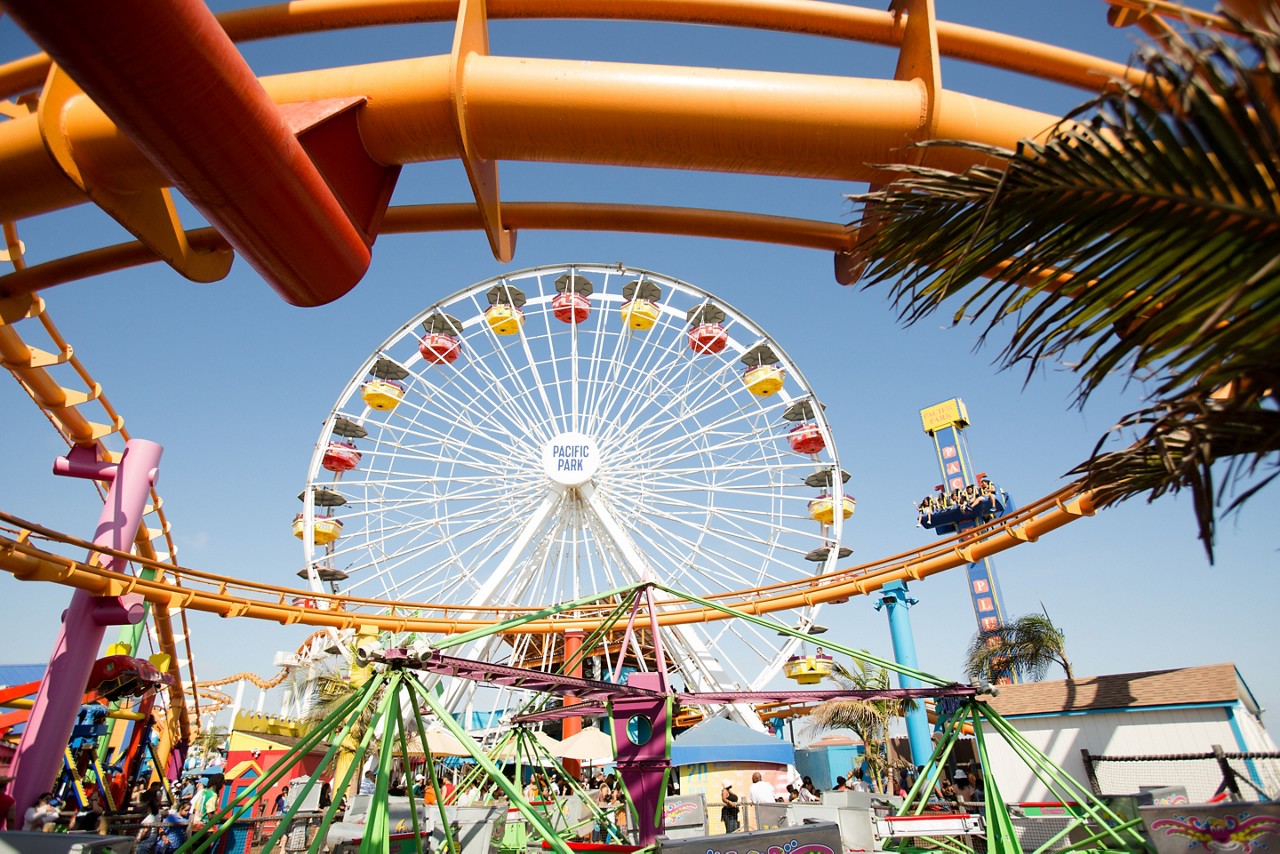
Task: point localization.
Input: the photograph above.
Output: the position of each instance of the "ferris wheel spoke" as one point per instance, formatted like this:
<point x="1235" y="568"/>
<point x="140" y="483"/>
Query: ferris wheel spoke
<point x="460" y="415"/>
<point x="691" y="436"/>
<point x="512" y="543"/>
<point x="681" y="551"/>
<point x="404" y="524"/>
<point x="516" y="376"/>
<point x="617" y="369"/>
<point x="511" y="414"/>
<point x="509" y="560"/>
<point x="743" y="541"/>
<point x="737" y="561"/>
<point x="638" y="386"/>
<point x="672" y="436"/>
<point x="549" y="410"/>
<point x="494" y="533"/>
<point x="655" y="393"/>
<point x="690" y="384"/>
<point x="600" y="389"/>
<point x="655" y="396"/>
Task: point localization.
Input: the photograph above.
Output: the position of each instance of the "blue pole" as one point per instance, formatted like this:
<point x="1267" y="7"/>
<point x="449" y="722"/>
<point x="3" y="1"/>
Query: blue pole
<point x="896" y="603"/>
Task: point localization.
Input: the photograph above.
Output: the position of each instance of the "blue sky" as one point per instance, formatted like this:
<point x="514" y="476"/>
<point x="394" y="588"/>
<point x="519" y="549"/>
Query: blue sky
<point x="235" y="383"/>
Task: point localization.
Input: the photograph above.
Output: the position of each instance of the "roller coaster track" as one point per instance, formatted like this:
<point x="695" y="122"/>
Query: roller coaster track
<point x="179" y="587"/>
<point x="405" y="111"/>
<point x="64" y="407"/>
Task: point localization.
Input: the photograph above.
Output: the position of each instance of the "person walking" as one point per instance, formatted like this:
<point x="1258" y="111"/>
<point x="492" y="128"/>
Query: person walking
<point x="281" y="803"/>
<point x="205" y="804"/>
<point x="760" y="793"/>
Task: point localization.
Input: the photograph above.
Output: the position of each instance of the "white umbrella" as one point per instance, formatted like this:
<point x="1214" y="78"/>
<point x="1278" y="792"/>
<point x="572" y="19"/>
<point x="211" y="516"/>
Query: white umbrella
<point x="590" y="745"/>
<point x="549" y="744"/>
<point x="441" y="743"/>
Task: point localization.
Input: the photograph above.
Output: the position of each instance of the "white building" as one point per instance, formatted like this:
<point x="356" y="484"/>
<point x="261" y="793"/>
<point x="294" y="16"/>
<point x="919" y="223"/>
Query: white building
<point x="1182" y="712"/>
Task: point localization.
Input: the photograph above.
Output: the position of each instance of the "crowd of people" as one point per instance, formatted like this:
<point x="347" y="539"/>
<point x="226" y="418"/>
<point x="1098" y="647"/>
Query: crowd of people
<point x="965" y="498"/>
<point x="961" y="793"/>
<point x="170" y="817"/>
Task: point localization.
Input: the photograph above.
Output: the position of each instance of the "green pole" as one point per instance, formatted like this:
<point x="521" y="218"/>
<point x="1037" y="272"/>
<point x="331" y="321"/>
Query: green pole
<point x="1061" y="784"/>
<point x="345" y="784"/>
<point x="404" y="752"/>
<point x="279" y="769"/>
<point x="1001" y="838"/>
<point x="377" y="825"/>
<point x="774" y="625"/>
<point x="416" y="687"/>
<point x="517" y="798"/>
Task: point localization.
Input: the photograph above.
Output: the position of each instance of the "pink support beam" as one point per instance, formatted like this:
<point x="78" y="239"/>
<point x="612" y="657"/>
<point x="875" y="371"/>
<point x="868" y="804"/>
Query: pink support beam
<point x="169" y="77"/>
<point x="40" y="752"/>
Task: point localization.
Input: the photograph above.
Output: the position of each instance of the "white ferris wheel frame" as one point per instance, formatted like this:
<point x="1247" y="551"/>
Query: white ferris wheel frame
<point x="508" y="397"/>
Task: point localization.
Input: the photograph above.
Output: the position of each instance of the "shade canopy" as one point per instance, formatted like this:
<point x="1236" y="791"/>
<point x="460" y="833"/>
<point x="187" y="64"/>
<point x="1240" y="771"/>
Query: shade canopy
<point x="439" y="743"/>
<point x="722" y="740"/>
<point x="590" y="745"/>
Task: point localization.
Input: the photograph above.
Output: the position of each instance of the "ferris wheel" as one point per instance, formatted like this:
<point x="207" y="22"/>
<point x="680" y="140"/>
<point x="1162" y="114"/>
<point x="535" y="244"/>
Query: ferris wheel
<point x="563" y="431"/>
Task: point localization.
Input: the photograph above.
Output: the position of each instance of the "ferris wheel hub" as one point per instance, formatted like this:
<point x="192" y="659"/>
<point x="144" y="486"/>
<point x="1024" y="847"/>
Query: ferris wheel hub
<point x="570" y="459"/>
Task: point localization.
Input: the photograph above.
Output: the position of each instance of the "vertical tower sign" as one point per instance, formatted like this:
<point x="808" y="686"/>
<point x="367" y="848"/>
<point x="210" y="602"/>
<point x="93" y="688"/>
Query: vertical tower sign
<point x="945" y="423"/>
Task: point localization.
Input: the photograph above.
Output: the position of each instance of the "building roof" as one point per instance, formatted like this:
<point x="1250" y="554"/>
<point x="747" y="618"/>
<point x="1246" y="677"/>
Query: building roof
<point x="20" y="674"/>
<point x="722" y="740"/>
<point x="1211" y="683"/>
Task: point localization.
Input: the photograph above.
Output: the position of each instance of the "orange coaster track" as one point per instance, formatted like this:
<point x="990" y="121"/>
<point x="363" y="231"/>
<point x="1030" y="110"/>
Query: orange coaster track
<point x="190" y="589"/>
<point x="65" y="408"/>
<point x="104" y="128"/>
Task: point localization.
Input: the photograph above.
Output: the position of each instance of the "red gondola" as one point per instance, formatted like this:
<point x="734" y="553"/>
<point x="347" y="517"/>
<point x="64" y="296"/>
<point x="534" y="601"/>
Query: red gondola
<point x="571" y="307"/>
<point x="340" y="456"/>
<point x="439" y="349"/>
<point x="708" y="338"/>
<point x="806" y="439"/>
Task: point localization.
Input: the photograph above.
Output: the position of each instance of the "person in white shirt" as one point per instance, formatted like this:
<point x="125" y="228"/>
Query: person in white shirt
<point x="858" y="784"/>
<point x="760" y="791"/>
<point x="43" y="812"/>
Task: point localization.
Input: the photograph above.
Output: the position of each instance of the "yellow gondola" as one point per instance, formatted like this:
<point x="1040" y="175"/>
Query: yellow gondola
<point x="382" y="395"/>
<point x="504" y="319"/>
<point x="764" y="380"/>
<point x="639" y="313"/>
<point x="808" y="669"/>
<point x="327" y="528"/>
<point x="823" y="508"/>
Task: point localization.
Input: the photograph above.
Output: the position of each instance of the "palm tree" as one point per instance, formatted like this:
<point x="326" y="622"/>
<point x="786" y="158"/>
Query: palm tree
<point x="213" y="738"/>
<point x="1139" y="239"/>
<point x="1028" y="646"/>
<point x="333" y="691"/>
<point x="868" y="719"/>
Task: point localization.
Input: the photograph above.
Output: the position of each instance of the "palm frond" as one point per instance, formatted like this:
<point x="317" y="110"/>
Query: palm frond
<point x="1027" y="645"/>
<point x="1138" y="239"/>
